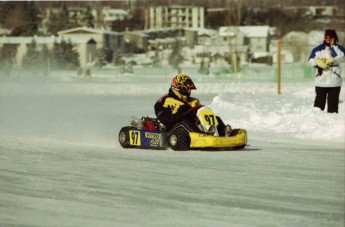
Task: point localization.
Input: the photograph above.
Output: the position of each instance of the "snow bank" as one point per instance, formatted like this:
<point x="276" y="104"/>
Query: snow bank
<point x="289" y="114"/>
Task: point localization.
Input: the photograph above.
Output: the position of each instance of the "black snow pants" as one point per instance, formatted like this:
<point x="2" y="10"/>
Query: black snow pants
<point x="329" y="94"/>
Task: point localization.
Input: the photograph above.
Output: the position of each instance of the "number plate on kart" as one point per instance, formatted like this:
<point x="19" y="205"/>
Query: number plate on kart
<point x="145" y="138"/>
<point x="134" y="137"/>
<point x="207" y="116"/>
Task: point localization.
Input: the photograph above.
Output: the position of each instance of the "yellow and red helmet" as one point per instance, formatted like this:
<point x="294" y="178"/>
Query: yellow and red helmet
<point x="183" y="84"/>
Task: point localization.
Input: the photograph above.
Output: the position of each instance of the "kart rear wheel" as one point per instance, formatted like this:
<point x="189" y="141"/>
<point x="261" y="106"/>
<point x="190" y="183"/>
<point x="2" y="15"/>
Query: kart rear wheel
<point x="124" y="137"/>
<point x="179" y="139"/>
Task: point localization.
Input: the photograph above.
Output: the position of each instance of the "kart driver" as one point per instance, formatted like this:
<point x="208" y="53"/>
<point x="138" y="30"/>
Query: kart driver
<point x="177" y="105"/>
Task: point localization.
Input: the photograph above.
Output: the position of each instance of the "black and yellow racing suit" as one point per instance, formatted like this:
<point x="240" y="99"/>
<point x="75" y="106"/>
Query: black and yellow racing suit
<point x="170" y="109"/>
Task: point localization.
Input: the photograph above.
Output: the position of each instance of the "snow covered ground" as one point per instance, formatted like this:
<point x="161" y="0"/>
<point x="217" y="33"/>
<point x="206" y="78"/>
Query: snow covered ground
<point x="61" y="163"/>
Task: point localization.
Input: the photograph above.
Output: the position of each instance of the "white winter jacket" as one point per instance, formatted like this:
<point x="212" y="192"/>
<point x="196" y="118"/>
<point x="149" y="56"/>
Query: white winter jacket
<point x="332" y="76"/>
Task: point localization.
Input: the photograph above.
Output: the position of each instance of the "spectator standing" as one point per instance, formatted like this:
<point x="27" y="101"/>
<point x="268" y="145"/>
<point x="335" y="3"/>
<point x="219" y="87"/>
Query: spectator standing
<point x="326" y="58"/>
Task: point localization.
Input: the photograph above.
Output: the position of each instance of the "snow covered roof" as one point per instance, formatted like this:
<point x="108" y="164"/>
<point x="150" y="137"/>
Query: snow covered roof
<point x="160" y="29"/>
<point x="114" y="14"/>
<point x="42" y="40"/>
<point x="137" y="33"/>
<point x="248" y="31"/>
<point x="203" y="31"/>
<point x="255" y="31"/>
<point x="228" y="31"/>
<point x="87" y="30"/>
<point x="162" y="41"/>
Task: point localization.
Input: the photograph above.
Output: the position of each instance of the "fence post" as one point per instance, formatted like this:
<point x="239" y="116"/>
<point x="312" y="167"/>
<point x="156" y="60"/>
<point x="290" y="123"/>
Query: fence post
<point x="279" y="64"/>
<point x="234" y="63"/>
<point x="48" y="66"/>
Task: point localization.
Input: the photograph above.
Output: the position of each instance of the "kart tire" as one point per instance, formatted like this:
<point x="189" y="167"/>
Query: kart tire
<point x="124" y="137"/>
<point x="179" y="139"/>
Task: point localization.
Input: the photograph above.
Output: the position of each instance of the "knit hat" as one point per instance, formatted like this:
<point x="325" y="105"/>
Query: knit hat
<point x="332" y="33"/>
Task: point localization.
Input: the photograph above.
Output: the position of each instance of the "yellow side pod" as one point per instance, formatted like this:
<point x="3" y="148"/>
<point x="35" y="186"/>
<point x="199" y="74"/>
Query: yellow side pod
<point x="199" y="140"/>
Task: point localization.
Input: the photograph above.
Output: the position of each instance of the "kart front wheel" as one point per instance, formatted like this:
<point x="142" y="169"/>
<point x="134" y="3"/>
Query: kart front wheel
<point x="179" y="139"/>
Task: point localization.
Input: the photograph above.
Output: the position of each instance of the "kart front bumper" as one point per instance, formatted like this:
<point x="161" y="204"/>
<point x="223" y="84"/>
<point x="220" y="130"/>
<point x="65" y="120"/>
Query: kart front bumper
<point x="199" y="140"/>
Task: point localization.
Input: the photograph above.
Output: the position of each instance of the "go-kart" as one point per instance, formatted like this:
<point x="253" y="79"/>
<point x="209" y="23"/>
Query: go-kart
<point x="201" y="133"/>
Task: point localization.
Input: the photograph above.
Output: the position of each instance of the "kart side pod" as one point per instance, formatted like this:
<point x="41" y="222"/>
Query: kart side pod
<point x="131" y="137"/>
<point x="180" y="140"/>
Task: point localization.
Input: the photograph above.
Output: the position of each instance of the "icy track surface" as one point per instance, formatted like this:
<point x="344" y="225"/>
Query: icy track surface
<point x="61" y="163"/>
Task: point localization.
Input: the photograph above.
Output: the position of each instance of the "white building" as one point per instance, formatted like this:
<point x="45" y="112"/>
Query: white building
<point x="257" y="37"/>
<point x="250" y="41"/>
<point x="103" y="38"/>
<point x="86" y="47"/>
<point x="175" y="17"/>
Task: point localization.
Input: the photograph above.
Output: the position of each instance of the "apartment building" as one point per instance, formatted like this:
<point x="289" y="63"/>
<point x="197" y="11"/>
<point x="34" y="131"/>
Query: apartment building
<point x="175" y="17"/>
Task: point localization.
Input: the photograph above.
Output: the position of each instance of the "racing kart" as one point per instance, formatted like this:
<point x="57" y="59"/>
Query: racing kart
<point x="199" y="134"/>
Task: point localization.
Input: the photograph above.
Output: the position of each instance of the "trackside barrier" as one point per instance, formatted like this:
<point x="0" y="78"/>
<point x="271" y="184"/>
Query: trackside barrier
<point x="245" y="73"/>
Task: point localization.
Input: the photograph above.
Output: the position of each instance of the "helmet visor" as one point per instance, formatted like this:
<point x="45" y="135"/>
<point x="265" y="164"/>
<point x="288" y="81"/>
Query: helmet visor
<point x="189" y="84"/>
<point x="185" y="91"/>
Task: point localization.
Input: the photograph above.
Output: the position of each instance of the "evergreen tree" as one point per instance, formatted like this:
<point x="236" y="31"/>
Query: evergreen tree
<point x="5" y="8"/>
<point x="101" y="59"/>
<point x="59" y="21"/>
<point x="75" y="20"/>
<point x="7" y="54"/>
<point x="29" y="21"/>
<point x="130" y="23"/>
<point x="64" y="18"/>
<point x="37" y="60"/>
<point x="64" y="56"/>
<point x="88" y="19"/>
<point x="104" y="55"/>
<point x="53" y="24"/>
<point x="57" y="55"/>
<point x="71" y="56"/>
<point x="121" y="25"/>
<point x="32" y="59"/>
<point x="118" y="58"/>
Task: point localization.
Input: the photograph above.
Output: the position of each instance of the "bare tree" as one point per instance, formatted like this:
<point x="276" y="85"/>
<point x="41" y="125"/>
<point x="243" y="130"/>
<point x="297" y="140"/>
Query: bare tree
<point x="236" y="11"/>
